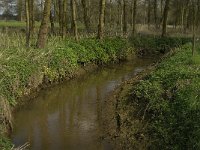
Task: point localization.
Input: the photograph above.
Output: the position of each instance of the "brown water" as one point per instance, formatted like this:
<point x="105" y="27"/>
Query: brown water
<point x="69" y="116"/>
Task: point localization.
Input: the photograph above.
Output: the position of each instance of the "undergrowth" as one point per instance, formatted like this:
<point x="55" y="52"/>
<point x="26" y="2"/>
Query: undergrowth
<point x="167" y="101"/>
<point x="148" y="45"/>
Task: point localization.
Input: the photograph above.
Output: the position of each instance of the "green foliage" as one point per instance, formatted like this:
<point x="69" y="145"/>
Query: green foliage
<point x="62" y="62"/>
<point x="20" y="67"/>
<point x="107" y="50"/>
<point x="116" y="48"/>
<point x="171" y="95"/>
<point x="5" y="144"/>
<point x="156" y="45"/>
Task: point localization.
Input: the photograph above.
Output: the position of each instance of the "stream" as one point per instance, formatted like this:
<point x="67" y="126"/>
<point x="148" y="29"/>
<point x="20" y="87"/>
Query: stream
<point x="69" y="116"/>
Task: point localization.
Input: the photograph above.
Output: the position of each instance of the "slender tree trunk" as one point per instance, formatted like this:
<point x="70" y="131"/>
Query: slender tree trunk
<point x="189" y="20"/>
<point x="149" y="13"/>
<point x="27" y="23"/>
<point x="19" y="9"/>
<point x="41" y="6"/>
<point x="74" y="24"/>
<point x="86" y="15"/>
<point x="182" y="18"/>
<point x="161" y="13"/>
<point x="134" y="17"/>
<point x="125" y="25"/>
<point x="120" y="15"/>
<point x="52" y="15"/>
<point x="132" y="7"/>
<point x="155" y="13"/>
<point x="194" y="26"/>
<point x="101" y="19"/>
<point x="60" y="5"/>
<point x="110" y="14"/>
<point x="43" y="32"/>
<point x="198" y="14"/>
<point x="31" y="17"/>
<point x="64" y="18"/>
<point x="165" y="17"/>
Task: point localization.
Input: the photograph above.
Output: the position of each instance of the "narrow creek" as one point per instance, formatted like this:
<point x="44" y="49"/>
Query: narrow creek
<point x="69" y="115"/>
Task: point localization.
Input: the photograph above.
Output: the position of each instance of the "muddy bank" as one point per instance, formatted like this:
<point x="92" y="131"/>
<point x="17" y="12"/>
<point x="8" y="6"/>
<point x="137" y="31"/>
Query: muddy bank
<point x="116" y="116"/>
<point x="45" y="83"/>
<point x="115" y="126"/>
<point x="159" y="108"/>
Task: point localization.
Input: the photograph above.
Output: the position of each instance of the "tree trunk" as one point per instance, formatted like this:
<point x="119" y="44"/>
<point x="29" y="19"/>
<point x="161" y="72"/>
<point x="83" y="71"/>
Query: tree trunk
<point x="27" y="23"/>
<point x="60" y="5"/>
<point x="161" y="13"/>
<point x="86" y="15"/>
<point x="101" y="19"/>
<point x="52" y="14"/>
<point x="134" y="17"/>
<point x="194" y="12"/>
<point x="120" y="15"/>
<point x="64" y="18"/>
<point x="182" y="18"/>
<point x="110" y="14"/>
<point x="125" y="25"/>
<point x="43" y="32"/>
<point x="149" y="14"/>
<point x="19" y="9"/>
<point x="74" y="24"/>
<point x="165" y="16"/>
<point x="155" y="13"/>
<point x="198" y="15"/>
<point x="31" y="17"/>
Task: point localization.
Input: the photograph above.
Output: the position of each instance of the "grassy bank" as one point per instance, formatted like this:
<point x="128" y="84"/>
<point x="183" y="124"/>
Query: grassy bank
<point x="23" y="70"/>
<point x="147" y="45"/>
<point x="161" y="109"/>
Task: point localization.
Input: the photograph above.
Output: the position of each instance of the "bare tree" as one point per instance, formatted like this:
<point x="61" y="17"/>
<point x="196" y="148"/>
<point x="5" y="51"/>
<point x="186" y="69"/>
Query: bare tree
<point x="155" y="13"/>
<point x="101" y="19"/>
<point x="43" y="32"/>
<point x="27" y="23"/>
<point x="64" y="17"/>
<point x="60" y="6"/>
<point x="86" y="15"/>
<point x="134" y="17"/>
<point x="165" y="17"/>
<point x="125" y="23"/>
<point x="74" y="23"/>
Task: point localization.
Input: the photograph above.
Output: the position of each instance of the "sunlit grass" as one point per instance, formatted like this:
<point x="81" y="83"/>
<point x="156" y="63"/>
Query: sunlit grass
<point x="13" y="23"/>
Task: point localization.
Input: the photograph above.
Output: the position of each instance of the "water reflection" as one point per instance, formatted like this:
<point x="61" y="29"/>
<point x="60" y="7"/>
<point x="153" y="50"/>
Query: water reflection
<point x="69" y="116"/>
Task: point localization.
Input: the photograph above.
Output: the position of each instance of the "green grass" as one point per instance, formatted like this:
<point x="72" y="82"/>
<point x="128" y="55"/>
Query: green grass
<point x="20" y="24"/>
<point x="13" y="23"/>
<point x="167" y="102"/>
<point x="5" y="143"/>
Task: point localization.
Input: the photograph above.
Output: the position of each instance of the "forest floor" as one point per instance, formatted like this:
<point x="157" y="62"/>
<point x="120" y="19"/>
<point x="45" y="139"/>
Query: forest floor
<point x="160" y="107"/>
